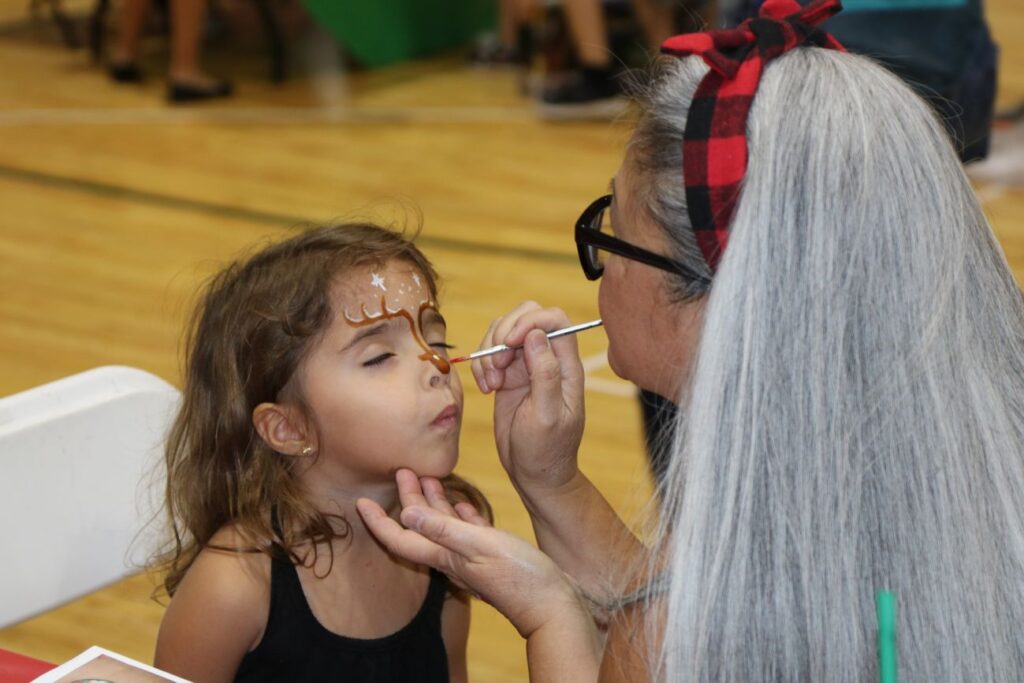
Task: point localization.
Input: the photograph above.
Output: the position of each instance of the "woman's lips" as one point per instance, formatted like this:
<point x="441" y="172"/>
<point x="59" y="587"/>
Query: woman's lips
<point x="447" y="417"/>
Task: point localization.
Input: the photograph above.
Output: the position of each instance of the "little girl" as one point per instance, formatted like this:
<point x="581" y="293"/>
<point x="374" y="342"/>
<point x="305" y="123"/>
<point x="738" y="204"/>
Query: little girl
<point x="315" y="369"/>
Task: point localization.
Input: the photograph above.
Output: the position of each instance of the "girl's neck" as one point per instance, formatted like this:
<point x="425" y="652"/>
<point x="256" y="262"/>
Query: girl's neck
<point x="355" y="548"/>
<point x="333" y="497"/>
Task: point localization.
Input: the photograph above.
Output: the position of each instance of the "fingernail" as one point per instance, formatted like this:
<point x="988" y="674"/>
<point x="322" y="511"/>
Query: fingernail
<point x="538" y="342"/>
<point x="412" y="518"/>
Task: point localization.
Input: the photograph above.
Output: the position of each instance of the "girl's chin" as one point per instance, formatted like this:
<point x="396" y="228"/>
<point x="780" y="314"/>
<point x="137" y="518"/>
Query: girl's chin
<point x="438" y="466"/>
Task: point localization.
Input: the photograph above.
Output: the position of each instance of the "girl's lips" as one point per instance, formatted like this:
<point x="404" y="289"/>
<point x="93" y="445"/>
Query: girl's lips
<point x="447" y="417"/>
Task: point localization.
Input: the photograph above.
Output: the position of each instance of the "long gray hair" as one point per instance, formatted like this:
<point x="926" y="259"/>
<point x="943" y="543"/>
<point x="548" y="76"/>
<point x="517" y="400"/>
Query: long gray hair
<point x="855" y="421"/>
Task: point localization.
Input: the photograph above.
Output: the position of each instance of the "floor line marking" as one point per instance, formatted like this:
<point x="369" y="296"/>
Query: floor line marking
<point x="113" y="116"/>
<point x="94" y="187"/>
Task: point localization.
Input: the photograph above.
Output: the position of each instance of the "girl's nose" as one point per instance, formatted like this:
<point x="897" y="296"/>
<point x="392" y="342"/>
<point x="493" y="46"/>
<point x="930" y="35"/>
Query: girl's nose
<point x="436" y="379"/>
<point x="437" y="361"/>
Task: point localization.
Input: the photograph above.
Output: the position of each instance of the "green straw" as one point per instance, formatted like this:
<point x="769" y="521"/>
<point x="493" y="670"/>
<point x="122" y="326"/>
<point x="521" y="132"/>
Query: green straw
<point x="885" y="606"/>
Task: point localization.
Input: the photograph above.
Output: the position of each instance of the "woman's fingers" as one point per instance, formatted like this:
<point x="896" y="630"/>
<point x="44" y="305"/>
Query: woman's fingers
<point x="462" y="538"/>
<point x="410" y="491"/>
<point x="478" y="367"/>
<point x="511" y="329"/>
<point x="402" y="542"/>
<point x="506" y="324"/>
<point x="509" y="573"/>
<point x="489" y="370"/>
<point x="547" y="319"/>
<point x="433" y="489"/>
<point x="467" y="512"/>
<point x="545" y="375"/>
<point x="431" y="534"/>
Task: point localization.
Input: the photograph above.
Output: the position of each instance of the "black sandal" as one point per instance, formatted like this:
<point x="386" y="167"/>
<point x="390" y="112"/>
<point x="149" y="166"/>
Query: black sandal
<point x="125" y="72"/>
<point x="184" y="92"/>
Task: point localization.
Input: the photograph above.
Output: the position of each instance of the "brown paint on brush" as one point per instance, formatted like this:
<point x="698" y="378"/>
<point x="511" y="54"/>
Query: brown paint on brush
<point x="428" y="353"/>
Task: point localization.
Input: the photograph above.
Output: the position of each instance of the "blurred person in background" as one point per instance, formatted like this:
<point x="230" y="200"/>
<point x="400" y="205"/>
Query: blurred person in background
<point x="187" y="81"/>
<point x="593" y="87"/>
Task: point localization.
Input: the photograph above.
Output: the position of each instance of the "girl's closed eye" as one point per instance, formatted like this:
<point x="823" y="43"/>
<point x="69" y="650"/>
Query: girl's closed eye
<point x="378" y="359"/>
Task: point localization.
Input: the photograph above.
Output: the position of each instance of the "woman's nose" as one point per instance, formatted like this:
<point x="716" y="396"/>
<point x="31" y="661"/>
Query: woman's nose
<point x="437" y="379"/>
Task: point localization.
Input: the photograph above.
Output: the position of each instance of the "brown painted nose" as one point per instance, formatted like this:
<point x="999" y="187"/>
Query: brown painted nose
<point x="440" y="363"/>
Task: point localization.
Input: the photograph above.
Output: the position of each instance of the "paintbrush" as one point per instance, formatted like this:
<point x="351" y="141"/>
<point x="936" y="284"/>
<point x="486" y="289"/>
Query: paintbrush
<point x="501" y="347"/>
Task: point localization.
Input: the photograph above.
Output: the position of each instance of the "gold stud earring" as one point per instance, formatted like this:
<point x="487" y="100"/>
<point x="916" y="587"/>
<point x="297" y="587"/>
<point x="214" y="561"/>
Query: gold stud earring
<point x="306" y="452"/>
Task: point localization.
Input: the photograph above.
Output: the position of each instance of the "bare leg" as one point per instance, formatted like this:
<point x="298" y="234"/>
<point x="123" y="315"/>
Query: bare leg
<point x="657" y="20"/>
<point x="589" y="33"/>
<point x="508" y="23"/>
<point x="592" y="91"/>
<point x="526" y="9"/>
<point x="133" y="16"/>
<point x="186" y="36"/>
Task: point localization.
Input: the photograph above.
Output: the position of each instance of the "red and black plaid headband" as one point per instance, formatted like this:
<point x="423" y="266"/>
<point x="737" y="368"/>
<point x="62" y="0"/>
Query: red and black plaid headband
<point x="715" y="141"/>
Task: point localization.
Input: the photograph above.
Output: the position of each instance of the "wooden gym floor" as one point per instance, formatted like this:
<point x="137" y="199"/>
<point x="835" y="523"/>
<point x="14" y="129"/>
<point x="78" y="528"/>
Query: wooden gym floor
<point x="115" y="207"/>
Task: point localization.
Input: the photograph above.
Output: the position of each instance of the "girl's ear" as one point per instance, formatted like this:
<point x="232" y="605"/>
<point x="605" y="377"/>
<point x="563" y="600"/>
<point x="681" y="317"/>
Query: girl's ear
<point x="282" y="428"/>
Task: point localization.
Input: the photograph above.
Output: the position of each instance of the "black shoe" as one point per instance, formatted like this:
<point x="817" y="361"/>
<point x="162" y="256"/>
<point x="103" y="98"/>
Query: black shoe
<point x="587" y="94"/>
<point x="585" y="85"/>
<point x="184" y="92"/>
<point x="125" y="72"/>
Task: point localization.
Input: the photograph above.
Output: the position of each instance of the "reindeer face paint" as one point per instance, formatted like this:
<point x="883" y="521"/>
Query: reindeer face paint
<point x="392" y="294"/>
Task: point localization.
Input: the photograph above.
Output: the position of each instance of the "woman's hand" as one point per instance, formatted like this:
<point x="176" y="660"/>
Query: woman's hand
<point x="538" y="401"/>
<point x="520" y="581"/>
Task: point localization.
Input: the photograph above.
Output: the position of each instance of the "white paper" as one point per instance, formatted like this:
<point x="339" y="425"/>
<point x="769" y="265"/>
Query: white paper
<point x="101" y="664"/>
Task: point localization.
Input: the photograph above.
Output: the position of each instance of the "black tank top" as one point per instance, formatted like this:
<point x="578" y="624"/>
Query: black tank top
<point x="296" y="648"/>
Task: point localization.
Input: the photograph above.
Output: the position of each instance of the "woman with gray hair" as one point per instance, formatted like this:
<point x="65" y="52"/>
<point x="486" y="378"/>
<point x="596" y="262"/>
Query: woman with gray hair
<point x="845" y="341"/>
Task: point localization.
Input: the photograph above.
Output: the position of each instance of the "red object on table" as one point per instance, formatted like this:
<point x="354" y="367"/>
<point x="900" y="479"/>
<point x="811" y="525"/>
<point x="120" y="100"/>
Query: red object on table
<point x="15" y="668"/>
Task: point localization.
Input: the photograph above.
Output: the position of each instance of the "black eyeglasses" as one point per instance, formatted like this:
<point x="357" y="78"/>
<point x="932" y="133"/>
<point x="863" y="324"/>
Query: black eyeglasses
<point x="590" y="241"/>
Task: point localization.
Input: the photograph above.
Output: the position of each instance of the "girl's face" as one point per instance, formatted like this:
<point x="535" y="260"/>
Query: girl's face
<point x="377" y="385"/>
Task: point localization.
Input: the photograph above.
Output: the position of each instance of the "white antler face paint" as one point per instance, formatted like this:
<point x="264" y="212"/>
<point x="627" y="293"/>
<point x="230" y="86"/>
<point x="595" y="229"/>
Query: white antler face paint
<point x="396" y="291"/>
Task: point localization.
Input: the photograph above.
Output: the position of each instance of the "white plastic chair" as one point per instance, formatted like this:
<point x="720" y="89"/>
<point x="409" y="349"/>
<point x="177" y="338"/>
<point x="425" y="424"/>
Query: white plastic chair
<point x="79" y="480"/>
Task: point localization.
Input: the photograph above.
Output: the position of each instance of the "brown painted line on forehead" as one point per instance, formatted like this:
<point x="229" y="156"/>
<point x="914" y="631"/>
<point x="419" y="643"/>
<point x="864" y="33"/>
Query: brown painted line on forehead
<point x="384" y="307"/>
<point x="387" y="314"/>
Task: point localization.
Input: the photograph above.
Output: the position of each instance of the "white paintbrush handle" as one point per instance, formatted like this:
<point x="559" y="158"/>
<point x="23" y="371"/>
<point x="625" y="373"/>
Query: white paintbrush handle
<point x="551" y="335"/>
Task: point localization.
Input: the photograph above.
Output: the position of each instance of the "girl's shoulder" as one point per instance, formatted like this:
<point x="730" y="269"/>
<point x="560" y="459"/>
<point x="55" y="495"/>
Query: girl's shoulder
<point x="229" y="575"/>
<point x="231" y="555"/>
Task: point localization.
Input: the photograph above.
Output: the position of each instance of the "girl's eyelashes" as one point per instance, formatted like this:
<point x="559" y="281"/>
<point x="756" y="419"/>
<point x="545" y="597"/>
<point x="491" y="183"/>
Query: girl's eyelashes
<point x="377" y="360"/>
